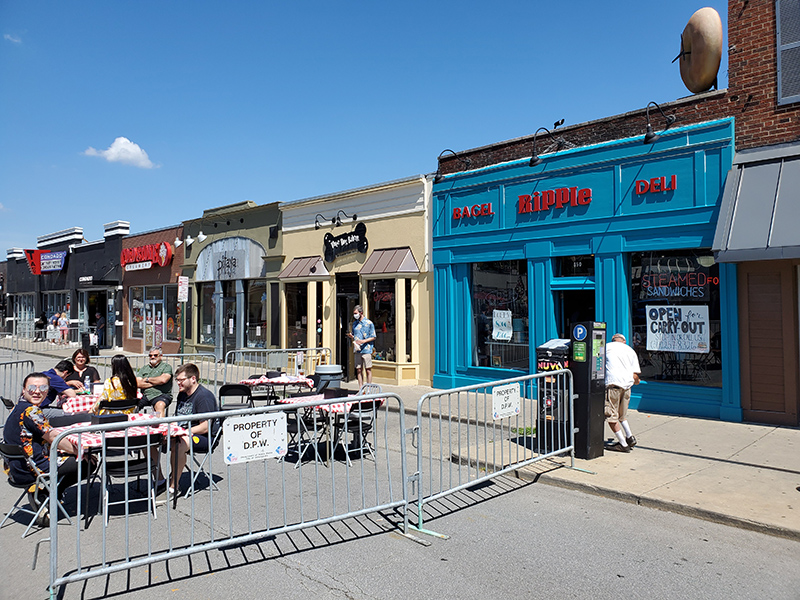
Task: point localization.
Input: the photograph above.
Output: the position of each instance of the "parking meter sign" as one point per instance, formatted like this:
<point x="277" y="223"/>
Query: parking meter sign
<point x="579" y="332"/>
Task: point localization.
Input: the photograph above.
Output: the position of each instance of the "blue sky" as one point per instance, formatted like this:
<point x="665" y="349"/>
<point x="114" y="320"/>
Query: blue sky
<point x="151" y="112"/>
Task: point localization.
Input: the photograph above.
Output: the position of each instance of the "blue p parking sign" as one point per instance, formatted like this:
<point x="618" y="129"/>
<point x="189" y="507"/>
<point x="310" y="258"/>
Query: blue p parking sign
<point x="579" y="332"/>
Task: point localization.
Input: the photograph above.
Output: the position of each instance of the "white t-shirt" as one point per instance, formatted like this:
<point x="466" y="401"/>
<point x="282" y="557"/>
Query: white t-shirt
<point x="621" y="364"/>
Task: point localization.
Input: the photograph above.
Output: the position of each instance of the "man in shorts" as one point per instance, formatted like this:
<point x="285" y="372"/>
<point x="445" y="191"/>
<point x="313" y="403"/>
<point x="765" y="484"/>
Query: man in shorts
<point x="363" y="336"/>
<point x="155" y="381"/>
<point x="622" y="373"/>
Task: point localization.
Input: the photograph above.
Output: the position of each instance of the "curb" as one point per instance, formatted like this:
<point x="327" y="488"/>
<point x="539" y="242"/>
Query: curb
<point x="674" y="507"/>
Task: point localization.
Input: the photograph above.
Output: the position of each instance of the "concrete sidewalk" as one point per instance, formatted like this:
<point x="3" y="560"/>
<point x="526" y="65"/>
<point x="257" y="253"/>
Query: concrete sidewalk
<point x="740" y="474"/>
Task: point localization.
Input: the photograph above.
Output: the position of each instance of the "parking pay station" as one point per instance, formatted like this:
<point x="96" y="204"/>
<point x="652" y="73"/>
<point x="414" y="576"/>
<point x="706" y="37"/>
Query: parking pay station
<point x="584" y="354"/>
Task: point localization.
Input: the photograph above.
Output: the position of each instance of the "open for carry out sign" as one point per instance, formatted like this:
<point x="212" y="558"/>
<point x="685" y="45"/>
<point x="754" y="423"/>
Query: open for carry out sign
<point x="254" y="437"/>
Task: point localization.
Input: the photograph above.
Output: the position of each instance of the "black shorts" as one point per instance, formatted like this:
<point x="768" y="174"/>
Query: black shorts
<point x="145" y="401"/>
<point x="200" y="442"/>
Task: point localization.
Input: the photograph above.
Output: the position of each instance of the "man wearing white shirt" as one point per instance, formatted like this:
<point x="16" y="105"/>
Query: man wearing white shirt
<point x="622" y="373"/>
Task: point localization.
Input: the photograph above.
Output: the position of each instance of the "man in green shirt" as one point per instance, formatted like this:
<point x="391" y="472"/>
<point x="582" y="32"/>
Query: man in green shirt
<point x="155" y="381"/>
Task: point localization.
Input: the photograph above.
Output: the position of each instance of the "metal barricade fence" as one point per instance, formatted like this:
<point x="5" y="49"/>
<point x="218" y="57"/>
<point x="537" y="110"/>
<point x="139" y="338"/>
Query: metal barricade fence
<point x="461" y="443"/>
<point x="206" y="363"/>
<point x="310" y="486"/>
<point x="12" y="374"/>
<point x="244" y="362"/>
<point x="27" y="338"/>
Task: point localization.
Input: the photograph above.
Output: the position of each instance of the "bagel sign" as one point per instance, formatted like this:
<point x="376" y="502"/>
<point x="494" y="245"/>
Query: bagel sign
<point x="145" y="257"/>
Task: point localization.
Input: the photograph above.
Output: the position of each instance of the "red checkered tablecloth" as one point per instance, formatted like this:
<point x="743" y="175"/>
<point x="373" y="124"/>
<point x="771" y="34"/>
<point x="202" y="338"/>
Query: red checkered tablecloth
<point x="81" y="403"/>
<point x="283" y="380"/>
<point x="90" y="440"/>
<point x="335" y="408"/>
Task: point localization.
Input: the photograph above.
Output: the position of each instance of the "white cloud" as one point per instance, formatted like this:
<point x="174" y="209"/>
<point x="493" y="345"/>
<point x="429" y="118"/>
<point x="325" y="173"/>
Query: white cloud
<point x="2" y="208"/>
<point x="124" y="151"/>
<point x="12" y="38"/>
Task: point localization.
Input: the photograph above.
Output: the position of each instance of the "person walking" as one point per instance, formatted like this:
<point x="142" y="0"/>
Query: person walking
<point x="622" y="373"/>
<point x="100" y="327"/>
<point x="363" y="336"/>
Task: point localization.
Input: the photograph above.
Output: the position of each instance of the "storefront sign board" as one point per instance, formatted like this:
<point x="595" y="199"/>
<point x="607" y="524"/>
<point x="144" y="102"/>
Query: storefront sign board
<point x="678" y="328"/>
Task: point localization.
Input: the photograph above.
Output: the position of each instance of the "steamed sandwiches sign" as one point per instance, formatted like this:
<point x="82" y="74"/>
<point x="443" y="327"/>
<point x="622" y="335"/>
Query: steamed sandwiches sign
<point x="677" y="328"/>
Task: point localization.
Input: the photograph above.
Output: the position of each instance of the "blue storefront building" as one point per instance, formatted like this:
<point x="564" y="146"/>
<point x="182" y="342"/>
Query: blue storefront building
<point x="619" y="232"/>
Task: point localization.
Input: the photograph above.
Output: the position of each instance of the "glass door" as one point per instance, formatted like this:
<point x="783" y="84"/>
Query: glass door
<point x="153" y="324"/>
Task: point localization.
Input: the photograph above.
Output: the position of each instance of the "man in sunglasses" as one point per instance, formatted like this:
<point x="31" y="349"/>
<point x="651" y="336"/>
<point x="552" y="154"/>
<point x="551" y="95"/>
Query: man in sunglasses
<point x="155" y="381"/>
<point x="28" y="427"/>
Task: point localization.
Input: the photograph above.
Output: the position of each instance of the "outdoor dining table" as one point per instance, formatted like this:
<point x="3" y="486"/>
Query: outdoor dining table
<point x="93" y="440"/>
<point x="284" y="380"/>
<point x="80" y="403"/>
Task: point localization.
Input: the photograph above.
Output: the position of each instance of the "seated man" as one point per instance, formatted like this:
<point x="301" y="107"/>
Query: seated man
<point x="29" y="428"/>
<point x="193" y="399"/>
<point x="56" y="376"/>
<point x="155" y="381"/>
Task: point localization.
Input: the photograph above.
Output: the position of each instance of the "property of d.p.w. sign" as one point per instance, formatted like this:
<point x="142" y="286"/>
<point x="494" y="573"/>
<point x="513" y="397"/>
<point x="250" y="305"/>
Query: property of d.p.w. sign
<point x="549" y="199"/>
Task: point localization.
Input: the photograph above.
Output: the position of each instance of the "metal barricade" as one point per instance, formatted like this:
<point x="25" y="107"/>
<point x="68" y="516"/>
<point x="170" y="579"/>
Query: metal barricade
<point x="12" y="374"/>
<point x="463" y="439"/>
<point x="206" y="363"/>
<point x="27" y="338"/>
<point x="241" y="363"/>
<point x="310" y="486"/>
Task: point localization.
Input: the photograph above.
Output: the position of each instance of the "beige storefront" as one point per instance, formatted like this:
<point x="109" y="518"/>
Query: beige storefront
<point x="368" y="246"/>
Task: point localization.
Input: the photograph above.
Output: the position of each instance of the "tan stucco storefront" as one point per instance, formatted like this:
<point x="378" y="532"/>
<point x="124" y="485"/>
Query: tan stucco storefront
<point x="368" y="246"/>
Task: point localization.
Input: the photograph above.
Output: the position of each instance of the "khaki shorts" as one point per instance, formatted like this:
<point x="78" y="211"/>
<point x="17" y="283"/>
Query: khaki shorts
<point x="363" y="359"/>
<point x="617" y="400"/>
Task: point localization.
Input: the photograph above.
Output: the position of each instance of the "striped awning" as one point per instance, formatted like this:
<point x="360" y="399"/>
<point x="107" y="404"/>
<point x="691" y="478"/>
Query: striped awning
<point x="390" y="261"/>
<point x="308" y="267"/>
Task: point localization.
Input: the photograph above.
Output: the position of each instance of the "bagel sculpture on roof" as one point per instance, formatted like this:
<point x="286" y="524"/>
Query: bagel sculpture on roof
<point x="701" y="50"/>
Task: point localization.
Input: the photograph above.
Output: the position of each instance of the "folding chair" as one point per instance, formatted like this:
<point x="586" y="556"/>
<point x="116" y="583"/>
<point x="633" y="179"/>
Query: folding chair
<point x="117" y="406"/>
<point x="10" y="452"/>
<point x="360" y="421"/>
<point x="264" y="392"/>
<point x="134" y="461"/>
<point x="304" y="428"/>
<point x="9" y="404"/>
<point x="235" y="395"/>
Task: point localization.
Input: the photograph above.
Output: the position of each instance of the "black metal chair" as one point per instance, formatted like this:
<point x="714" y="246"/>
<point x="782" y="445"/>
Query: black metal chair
<point x="39" y="500"/>
<point x="118" y="406"/>
<point x="131" y="456"/>
<point x="235" y="395"/>
<point x="360" y="421"/>
<point x="8" y="403"/>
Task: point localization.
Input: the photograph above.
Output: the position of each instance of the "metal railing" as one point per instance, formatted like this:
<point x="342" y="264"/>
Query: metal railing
<point x="463" y="438"/>
<point x="310" y="486"/>
<point x="241" y="363"/>
<point x="27" y="338"/>
<point x="12" y="374"/>
<point x="206" y="363"/>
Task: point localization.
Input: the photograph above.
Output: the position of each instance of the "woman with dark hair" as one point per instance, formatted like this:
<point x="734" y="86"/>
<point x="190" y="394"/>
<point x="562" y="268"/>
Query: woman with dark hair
<point x="77" y="379"/>
<point x="120" y="386"/>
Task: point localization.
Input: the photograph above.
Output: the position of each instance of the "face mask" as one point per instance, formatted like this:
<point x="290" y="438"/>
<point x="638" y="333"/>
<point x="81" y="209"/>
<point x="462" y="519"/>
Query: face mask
<point x="357" y="316"/>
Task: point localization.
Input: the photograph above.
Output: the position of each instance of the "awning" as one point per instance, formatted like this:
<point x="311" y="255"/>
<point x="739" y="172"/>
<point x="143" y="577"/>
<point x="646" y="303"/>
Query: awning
<point x="309" y="267"/>
<point x="390" y="261"/>
<point x="760" y="206"/>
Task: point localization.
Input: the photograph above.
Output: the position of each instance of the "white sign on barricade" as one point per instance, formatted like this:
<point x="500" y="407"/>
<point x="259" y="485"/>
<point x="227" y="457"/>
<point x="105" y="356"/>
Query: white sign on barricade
<point x="254" y="437"/>
<point x="505" y="401"/>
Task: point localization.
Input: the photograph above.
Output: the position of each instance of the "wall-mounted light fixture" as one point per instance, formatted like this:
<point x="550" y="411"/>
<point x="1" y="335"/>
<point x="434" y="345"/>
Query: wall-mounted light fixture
<point x="201" y="237"/>
<point x="318" y="224"/>
<point x="464" y="161"/>
<point x="338" y="219"/>
<point x="649" y="136"/>
<point x="178" y="241"/>
<point x="189" y="240"/>
<point x="558" y="141"/>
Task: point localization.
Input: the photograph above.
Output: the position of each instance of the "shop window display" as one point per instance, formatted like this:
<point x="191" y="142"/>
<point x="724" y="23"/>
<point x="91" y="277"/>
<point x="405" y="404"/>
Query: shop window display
<point x="500" y="315"/>
<point x="297" y="314"/>
<point x="136" y="308"/>
<point x="207" y="333"/>
<point x="676" y="316"/>
<point x="173" y="310"/>
<point x="256" y="314"/>
<point x="381" y="310"/>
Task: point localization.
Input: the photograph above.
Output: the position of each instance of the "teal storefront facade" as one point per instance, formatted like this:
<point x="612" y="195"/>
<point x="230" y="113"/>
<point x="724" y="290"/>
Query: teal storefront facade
<point x="619" y="232"/>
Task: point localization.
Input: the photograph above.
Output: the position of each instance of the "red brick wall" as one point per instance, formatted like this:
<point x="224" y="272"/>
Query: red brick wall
<point x="751" y="98"/>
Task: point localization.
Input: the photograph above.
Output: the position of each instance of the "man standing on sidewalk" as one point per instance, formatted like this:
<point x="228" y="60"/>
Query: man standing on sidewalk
<point x="622" y="373"/>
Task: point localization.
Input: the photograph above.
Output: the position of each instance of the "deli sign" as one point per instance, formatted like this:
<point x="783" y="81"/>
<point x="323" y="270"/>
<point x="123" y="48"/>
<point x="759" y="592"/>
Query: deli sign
<point x="144" y="257"/>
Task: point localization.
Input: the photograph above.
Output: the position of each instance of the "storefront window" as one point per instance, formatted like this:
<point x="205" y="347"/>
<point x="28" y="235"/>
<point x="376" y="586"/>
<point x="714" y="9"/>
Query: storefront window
<point x="676" y="316"/>
<point x="136" y="308"/>
<point x="381" y="310"/>
<point x="500" y="315"/>
<point x="297" y="314"/>
<point x="173" y="311"/>
<point x="208" y="315"/>
<point x="408" y="319"/>
<point x="256" y="314"/>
